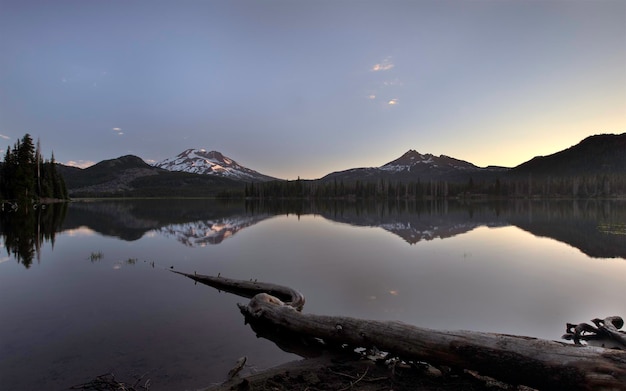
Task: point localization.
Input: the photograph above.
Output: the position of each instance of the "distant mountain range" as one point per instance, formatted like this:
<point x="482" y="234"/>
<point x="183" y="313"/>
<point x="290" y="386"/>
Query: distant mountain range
<point x="602" y="154"/>
<point x="196" y="172"/>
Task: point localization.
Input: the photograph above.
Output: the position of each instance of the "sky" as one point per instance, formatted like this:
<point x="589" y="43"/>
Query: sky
<point x="304" y="88"/>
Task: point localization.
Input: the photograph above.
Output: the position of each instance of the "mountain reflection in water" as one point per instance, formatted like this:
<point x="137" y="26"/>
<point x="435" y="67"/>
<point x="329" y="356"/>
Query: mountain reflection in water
<point x="202" y="233"/>
<point x="597" y="228"/>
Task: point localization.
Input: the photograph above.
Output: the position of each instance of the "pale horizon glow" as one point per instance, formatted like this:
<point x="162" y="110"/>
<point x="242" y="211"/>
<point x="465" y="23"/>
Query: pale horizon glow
<point x="302" y="89"/>
<point x="80" y="163"/>
<point x="80" y="231"/>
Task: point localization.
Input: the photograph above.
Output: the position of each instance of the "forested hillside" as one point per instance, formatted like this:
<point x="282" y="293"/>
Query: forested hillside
<point x="593" y="168"/>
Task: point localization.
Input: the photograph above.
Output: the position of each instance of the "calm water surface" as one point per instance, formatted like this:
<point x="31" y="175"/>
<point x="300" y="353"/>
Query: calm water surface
<point x="86" y="289"/>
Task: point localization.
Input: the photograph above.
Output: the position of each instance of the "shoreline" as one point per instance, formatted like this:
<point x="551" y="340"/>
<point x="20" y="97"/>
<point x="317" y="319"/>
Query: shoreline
<point x="342" y="372"/>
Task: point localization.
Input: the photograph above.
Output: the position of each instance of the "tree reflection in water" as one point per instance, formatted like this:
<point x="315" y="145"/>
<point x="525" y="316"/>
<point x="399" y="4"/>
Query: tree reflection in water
<point x="24" y="229"/>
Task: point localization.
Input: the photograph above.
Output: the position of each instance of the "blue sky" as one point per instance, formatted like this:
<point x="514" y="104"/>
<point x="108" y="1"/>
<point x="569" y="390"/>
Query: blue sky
<point x="303" y="88"/>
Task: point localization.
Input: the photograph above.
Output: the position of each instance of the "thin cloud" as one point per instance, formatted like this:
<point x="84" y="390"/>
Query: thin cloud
<point x="80" y="163"/>
<point x="4" y="137"/>
<point x="383" y="66"/>
<point x="393" y="101"/>
<point x="392" y="83"/>
<point x="118" y="131"/>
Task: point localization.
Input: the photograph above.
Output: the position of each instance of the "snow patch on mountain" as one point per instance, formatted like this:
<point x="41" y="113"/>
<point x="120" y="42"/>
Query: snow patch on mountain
<point x="200" y="161"/>
<point x="414" y="159"/>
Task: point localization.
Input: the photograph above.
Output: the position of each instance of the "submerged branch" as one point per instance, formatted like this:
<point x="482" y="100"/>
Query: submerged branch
<point x="250" y="288"/>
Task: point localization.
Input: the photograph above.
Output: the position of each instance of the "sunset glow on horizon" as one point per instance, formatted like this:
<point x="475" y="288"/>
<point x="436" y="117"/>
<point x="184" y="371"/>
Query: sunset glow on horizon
<point x="301" y="89"/>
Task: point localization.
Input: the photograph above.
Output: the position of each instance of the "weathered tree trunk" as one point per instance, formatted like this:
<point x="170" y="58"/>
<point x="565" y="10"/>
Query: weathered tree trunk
<point x="512" y="359"/>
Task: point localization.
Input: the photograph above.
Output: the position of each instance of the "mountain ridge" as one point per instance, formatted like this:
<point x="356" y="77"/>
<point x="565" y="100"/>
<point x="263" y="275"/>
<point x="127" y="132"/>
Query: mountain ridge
<point x="601" y="152"/>
<point x="131" y="176"/>
<point x="210" y="173"/>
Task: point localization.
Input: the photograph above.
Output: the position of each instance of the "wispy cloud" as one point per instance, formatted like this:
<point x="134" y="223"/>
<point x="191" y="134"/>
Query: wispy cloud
<point x="393" y="101"/>
<point x="118" y="131"/>
<point x="4" y="137"/>
<point x="80" y="163"/>
<point x="385" y="65"/>
<point x="392" y="83"/>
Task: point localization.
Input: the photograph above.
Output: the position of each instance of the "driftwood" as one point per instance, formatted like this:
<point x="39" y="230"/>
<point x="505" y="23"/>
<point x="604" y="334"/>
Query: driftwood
<point x="107" y="382"/>
<point x="533" y="362"/>
<point x="238" y="367"/>
<point x="605" y="334"/>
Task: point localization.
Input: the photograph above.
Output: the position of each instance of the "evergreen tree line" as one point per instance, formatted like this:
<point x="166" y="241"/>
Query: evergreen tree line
<point x="25" y="176"/>
<point x="589" y="186"/>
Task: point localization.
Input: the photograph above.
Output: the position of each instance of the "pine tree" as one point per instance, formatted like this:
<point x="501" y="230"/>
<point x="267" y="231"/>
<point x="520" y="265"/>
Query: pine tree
<point x="25" y="170"/>
<point x="8" y="175"/>
<point x="26" y="177"/>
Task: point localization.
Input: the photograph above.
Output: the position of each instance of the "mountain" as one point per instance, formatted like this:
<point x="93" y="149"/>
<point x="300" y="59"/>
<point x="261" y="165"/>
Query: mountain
<point x="130" y="176"/>
<point x="199" y="161"/>
<point x="114" y="173"/>
<point x="599" y="154"/>
<point x="413" y="165"/>
<point x="413" y="161"/>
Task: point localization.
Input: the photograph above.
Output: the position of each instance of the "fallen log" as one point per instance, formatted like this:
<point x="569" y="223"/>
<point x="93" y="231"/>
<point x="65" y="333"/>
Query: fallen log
<point x="513" y="359"/>
<point x="517" y="360"/>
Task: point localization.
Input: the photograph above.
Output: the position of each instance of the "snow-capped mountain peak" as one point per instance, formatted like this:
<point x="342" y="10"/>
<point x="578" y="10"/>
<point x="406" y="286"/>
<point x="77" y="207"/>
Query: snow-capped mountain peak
<point x="199" y="161"/>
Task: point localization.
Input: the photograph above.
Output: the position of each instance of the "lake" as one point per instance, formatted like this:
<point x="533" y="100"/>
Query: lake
<point x="87" y="288"/>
